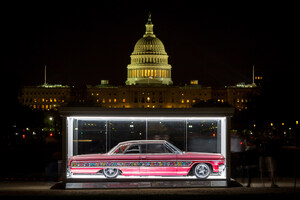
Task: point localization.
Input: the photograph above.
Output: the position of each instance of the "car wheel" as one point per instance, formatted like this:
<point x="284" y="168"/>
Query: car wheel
<point x="202" y="171"/>
<point x="110" y="172"/>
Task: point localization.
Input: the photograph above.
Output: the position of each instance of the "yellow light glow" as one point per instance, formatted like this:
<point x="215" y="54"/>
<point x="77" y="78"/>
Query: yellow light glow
<point x="82" y="140"/>
<point x="194" y="82"/>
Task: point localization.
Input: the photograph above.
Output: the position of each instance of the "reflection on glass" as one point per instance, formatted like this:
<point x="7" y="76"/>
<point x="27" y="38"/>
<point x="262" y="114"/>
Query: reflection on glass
<point x="203" y="136"/>
<point x="169" y="130"/>
<point x="89" y="137"/>
<point x="120" y="131"/>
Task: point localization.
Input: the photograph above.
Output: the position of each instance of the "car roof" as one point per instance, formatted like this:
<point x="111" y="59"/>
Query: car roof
<point x="143" y="141"/>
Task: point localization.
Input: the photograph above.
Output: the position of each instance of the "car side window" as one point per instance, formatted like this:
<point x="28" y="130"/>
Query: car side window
<point x="154" y="148"/>
<point x="133" y="149"/>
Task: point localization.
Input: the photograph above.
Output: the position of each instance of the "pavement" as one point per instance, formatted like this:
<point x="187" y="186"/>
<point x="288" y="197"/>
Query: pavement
<point x="281" y="182"/>
<point x="41" y="190"/>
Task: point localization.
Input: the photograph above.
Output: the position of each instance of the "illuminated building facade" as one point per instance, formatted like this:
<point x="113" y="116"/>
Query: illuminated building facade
<point x="139" y="96"/>
<point x="45" y="97"/>
<point x="148" y="85"/>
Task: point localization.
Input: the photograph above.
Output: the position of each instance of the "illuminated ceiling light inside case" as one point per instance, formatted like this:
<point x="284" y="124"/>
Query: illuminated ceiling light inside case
<point x="104" y="118"/>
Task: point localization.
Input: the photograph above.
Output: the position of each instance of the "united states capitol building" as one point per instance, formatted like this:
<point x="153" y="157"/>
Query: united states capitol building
<point x="149" y="85"/>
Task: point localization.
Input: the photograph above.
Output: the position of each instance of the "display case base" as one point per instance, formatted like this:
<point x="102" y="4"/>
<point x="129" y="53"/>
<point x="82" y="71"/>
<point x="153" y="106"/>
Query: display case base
<point x="141" y="183"/>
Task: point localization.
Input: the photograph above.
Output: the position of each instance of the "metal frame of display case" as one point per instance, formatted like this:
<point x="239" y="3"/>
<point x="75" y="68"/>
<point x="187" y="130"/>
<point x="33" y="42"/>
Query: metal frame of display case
<point x="69" y="113"/>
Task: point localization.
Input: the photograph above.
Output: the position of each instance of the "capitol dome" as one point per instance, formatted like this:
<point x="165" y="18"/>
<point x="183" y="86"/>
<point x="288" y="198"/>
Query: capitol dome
<point x="149" y="60"/>
<point x="149" y="45"/>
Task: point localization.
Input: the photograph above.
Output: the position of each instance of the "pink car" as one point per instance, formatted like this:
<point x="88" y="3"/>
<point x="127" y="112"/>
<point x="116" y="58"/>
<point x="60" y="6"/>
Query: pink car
<point x="147" y="158"/>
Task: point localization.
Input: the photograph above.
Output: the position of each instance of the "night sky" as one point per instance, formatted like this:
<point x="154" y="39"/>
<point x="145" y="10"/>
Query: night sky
<point x="83" y="44"/>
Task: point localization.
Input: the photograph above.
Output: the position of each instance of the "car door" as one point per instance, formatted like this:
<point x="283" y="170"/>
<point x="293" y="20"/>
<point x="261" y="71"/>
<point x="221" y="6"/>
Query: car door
<point x="157" y="160"/>
<point x="128" y="161"/>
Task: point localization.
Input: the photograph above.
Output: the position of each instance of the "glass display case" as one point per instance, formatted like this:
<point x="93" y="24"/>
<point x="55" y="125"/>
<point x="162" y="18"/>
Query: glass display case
<point x="141" y="143"/>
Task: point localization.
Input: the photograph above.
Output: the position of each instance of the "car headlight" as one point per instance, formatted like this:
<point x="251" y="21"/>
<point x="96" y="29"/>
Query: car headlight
<point x="221" y="168"/>
<point x="69" y="173"/>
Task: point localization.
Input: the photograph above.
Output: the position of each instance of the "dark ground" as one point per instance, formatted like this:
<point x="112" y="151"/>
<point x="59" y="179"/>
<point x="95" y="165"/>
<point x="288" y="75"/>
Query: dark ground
<point x="41" y="190"/>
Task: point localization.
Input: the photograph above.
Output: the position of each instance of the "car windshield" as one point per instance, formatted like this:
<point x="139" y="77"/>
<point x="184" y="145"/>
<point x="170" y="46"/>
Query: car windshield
<point x="119" y="149"/>
<point x="175" y="149"/>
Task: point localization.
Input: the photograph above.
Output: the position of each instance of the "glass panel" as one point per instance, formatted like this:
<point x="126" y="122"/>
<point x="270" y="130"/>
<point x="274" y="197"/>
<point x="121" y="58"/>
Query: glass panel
<point x="204" y="136"/>
<point x="99" y="135"/>
<point x="89" y="137"/>
<point x="120" y="131"/>
<point x="92" y="136"/>
<point x="172" y="131"/>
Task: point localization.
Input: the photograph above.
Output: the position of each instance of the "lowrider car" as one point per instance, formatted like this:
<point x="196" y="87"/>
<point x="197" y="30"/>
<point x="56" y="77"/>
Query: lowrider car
<point x="147" y="158"/>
